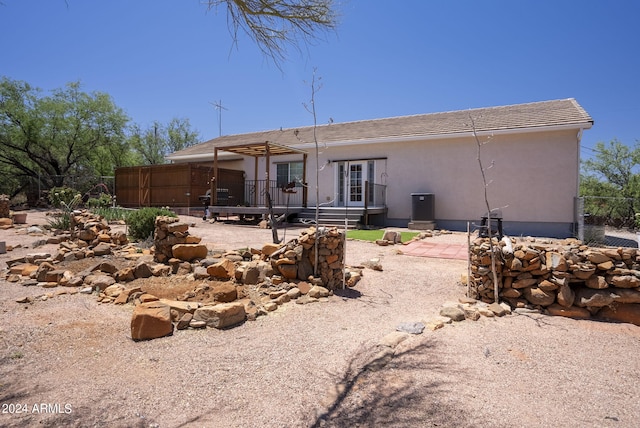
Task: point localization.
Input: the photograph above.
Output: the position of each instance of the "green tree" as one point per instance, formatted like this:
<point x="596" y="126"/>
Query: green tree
<point x="610" y="182"/>
<point x="58" y="135"/>
<point x="157" y="141"/>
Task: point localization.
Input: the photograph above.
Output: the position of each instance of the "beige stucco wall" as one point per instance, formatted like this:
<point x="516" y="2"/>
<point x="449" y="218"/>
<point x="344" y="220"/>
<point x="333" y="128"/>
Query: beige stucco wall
<point x="534" y="177"/>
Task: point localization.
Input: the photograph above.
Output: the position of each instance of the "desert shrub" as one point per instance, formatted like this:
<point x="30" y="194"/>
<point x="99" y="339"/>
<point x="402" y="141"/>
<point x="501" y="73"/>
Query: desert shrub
<point x="103" y="201"/>
<point x="18" y="200"/>
<point x="142" y="222"/>
<point x="62" y="220"/>
<point x="61" y="197"/>
<point x="112" y="214"/>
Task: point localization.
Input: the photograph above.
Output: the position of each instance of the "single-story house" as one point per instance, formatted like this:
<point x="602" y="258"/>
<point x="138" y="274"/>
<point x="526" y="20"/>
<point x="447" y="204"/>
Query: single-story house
<point x="530" y="154"/>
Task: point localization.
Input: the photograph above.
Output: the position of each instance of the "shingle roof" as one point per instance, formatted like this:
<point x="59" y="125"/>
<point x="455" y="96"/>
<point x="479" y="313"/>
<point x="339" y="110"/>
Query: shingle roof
<point x="565" y="112"/>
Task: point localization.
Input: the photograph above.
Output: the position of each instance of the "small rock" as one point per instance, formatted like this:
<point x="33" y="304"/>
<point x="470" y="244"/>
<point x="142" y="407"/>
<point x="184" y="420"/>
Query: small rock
<point x="411" y="327"/>
<point x="394" y="339"/>
<point x="452" y="312"/>
<point x="317" y="291"/>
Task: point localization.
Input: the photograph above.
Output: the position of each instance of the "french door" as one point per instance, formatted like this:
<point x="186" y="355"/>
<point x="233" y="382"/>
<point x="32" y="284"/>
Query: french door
<point x="352" y="178"/>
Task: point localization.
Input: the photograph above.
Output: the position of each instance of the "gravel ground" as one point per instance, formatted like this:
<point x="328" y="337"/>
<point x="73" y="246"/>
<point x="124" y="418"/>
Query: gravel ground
<point x="70" y="361"/>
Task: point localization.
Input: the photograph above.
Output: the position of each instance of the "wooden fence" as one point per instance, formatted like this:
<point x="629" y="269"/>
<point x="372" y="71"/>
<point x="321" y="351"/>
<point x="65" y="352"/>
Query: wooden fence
<point x="172" y="185"/>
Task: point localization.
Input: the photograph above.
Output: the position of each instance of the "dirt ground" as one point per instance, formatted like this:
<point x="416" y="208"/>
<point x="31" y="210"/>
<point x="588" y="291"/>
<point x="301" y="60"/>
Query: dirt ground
<point x="70" y="361"/>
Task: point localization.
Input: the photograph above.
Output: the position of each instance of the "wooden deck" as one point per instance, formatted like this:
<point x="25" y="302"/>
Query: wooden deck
<point x="328" y="215"/>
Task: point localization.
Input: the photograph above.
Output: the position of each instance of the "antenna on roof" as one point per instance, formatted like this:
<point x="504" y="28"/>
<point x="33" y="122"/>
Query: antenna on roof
<point x="218" y="106"/>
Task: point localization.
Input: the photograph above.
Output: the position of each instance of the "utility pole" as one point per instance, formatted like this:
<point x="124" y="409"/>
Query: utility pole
<point x="218" y="106"/>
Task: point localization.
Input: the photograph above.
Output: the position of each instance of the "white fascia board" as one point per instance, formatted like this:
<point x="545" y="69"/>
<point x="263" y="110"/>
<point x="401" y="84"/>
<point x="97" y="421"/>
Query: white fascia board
<point x="576" y="126"/>
<point x="203" y="157"/>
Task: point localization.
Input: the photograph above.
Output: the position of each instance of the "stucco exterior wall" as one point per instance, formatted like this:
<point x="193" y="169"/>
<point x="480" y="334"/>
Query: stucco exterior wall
<point x="533" y="180"/>
<point x="533" y="177"/>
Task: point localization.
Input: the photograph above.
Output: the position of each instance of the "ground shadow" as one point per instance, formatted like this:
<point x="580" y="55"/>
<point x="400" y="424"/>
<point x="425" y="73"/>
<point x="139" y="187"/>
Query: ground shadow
<point x="347" y="293"/>
<point x="383" y="388"/>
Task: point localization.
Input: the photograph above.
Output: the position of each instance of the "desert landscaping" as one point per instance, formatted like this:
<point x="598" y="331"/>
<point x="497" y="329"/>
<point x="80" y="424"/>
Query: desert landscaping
<point x="246" y="342"/>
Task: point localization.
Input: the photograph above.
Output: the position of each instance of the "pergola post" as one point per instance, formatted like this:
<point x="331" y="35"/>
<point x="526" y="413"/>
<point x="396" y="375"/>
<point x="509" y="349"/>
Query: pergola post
<point x="214" y="184"/>
<point x="304" y="181"/>
<point x="267" y="155"/>
<point x="256" y="181"/>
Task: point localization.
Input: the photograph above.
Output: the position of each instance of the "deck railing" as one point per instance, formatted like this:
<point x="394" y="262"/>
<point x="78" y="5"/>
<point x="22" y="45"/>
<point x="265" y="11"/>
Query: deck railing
<point x="253" y="193"/>
<point x="375" y="195"/>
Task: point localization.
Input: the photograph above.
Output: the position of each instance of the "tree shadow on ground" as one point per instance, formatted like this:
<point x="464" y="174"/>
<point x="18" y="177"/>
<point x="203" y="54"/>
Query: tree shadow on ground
<point x="347" y="293"/>
<point x="381" y="387"/>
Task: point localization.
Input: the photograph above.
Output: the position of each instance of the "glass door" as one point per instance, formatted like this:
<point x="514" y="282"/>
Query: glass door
<point x="355" y="183"/>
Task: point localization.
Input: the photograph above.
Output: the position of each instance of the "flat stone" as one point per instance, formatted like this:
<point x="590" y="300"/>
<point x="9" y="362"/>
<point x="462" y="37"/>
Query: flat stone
<point x="411" y="327"/>
<point x="113" y="290"/>
<point x="587" y="297"/>
<point x="189" y="252"/>
<point x="269" y="248"/>
<point x="452" y="312"/>
<point x="305" y="299"/>
<point x="393" y="339"/>
<point x="317" y="291"/>
<point x="181" y="306"/>
<point x="270" y="306"/>
<point x="222" y="315"/>
<point x="625" y="281"/>
<point x="101" y="282"/>
<point x="497" y="309"/>
<point x="197" y="324"/>
<point x="471" y="313"/>
<point x="570" y="311"/>
<point x="102" y="249"/>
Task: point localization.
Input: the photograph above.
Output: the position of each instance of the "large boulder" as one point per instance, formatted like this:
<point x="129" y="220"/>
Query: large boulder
<point x="151" y="320"/>
<point x="222" y="315"/>
<point x="102" y="249"/>
<point x="224" y="269"/>
<point x="538" y="296"/>
<point x="189" y="252"/>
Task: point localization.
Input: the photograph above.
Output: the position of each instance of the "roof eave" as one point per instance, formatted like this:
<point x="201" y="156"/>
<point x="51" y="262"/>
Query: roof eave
<point x="579" y="126"/>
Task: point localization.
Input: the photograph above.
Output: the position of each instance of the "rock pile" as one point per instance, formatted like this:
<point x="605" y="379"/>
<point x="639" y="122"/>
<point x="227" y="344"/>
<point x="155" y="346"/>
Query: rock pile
<point x="94" y="229"/>
<point x="297" y="259"/>
<point x="229" y="287"/>
<point x="561" y="278"/>
<point x="172" y="240"/>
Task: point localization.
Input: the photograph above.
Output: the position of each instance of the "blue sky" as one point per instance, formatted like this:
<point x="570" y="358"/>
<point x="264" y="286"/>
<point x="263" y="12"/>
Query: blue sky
<point x="161" y="59"/>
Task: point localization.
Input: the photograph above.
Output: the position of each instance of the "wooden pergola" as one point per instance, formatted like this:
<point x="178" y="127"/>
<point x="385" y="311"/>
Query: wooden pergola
<point x="258" y="150"/>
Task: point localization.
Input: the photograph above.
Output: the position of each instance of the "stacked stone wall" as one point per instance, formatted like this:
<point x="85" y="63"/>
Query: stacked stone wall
<point x="5" y="211"/>
<point x="560" y="278"/>
<point x="297" y="259"/>
<point x="171" y="239"/>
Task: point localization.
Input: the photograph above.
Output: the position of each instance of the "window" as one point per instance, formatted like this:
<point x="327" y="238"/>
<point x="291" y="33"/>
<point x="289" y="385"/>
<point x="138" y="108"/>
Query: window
<point x="288" y="172"/>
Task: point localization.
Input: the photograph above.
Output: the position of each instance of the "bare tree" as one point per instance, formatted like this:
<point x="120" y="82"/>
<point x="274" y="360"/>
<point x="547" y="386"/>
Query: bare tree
<point x="276" y="24"/>
<point x="315" y="87"/>
<point x="496" y="287"/>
